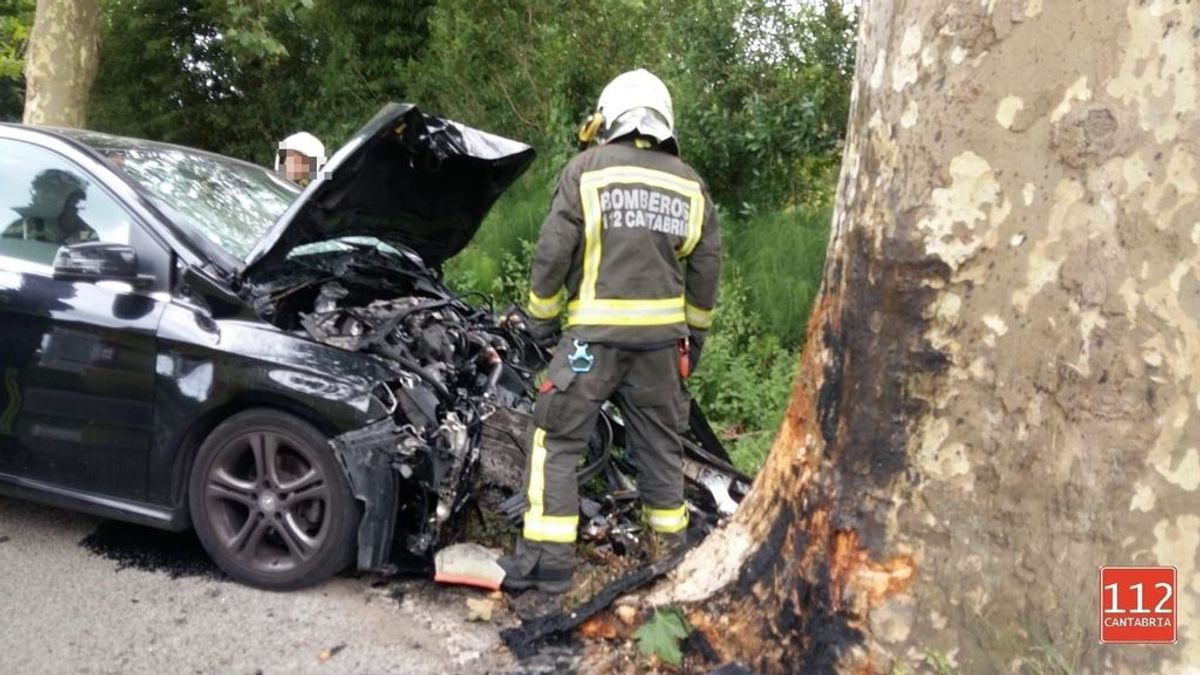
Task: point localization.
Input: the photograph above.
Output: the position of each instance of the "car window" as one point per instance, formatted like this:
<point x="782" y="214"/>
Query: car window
<point x="46" y="202"/>
<point x="232" y="203"/>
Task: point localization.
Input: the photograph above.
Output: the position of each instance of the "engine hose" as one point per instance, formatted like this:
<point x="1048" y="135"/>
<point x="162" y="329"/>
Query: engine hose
<point x="417" y="369"/>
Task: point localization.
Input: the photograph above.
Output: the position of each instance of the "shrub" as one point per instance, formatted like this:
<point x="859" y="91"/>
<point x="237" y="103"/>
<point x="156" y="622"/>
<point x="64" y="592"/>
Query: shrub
<point x="744" y="378"/>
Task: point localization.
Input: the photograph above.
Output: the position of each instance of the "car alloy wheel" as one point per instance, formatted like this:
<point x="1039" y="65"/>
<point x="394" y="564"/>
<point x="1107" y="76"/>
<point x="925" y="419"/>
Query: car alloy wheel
<point x="270" y="503"/>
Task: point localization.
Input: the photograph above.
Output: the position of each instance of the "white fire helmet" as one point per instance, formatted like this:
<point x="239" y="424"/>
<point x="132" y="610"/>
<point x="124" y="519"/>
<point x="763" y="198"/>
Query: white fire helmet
<point x="636" y="101"/>
<point x="303" y="143"/>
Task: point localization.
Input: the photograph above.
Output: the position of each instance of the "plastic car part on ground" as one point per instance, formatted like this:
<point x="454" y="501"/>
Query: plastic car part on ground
<point x="468" y="564"/>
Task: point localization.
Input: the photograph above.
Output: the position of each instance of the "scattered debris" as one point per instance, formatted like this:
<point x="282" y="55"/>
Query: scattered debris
<point x="600" y="627"/>
<point x="480" y="609"/>
<point x="627" y="614"/>
<point x="330" y="653"/>
<point x="468" y="564"/>
<point x="732" y="668"/>
<point x="526" y="640"/>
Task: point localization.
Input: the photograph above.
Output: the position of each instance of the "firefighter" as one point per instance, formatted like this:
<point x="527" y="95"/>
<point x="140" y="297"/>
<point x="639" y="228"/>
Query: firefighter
<point x="629" y="256"/>
<point x="299" y="158"/>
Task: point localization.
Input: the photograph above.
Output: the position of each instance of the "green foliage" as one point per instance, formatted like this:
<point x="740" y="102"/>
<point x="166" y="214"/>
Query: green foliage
<point x="248" y="26"/>
<point x="780" y="255"/>
<point x="532" y="69"/>
<point x="661" y="635"/>
<point x="236" y="77"/>
<point x="745" y="375"/>
<point x="168" y="73"/>
<point x="762" y="97"/>
<point x="16" y="20"/>
<point x="497" y="260"/>
<point x="761" y="88"/>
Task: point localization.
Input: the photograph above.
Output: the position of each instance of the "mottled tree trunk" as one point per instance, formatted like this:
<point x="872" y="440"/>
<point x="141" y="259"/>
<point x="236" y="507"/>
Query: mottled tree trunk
<point x="61" y="62"/>
<point x="1000" y="391"/>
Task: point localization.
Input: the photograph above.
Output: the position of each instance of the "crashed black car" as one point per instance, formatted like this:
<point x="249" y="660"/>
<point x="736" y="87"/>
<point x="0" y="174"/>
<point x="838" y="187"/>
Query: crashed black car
<point x="187" y="340"/>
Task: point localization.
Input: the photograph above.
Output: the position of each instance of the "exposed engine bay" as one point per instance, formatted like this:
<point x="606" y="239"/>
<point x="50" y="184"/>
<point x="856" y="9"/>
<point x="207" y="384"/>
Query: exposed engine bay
<point x="458" y="408"/>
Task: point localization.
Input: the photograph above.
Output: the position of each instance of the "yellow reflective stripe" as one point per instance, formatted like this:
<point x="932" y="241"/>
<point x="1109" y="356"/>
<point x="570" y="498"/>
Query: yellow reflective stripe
<point x="537" y="475"/>
<point x="638" y="174"/>
<point x="557" y="529"/>
<point x="633" y="303"/>
<point x="695" y="225"/>
<point x="539" y="527"/>
<point x="545" y="308"/>
<point x="589" y="190"/>
<point x="592" y="245"/>
<point x="667" y="520"/>
<point x="698" y="318"/>
<point x="626" y="312"/>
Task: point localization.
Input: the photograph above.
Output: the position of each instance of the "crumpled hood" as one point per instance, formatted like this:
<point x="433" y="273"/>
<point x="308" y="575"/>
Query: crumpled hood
<point x="405" y="178"/>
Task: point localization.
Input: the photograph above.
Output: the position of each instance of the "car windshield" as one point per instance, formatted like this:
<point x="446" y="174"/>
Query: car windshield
<point x="232" y="203"/>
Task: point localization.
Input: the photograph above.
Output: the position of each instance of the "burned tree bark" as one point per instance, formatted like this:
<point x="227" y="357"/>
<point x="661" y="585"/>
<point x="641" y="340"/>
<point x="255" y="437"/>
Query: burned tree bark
<point x="998" y="393"/>
<point x="61" y="62"/>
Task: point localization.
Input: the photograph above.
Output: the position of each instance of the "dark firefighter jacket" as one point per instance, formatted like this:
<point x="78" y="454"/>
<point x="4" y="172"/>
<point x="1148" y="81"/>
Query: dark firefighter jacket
<point x="630" y="249"/>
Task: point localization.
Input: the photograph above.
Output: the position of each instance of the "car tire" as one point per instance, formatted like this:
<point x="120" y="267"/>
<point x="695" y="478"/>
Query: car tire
<point x="270" y="503"/>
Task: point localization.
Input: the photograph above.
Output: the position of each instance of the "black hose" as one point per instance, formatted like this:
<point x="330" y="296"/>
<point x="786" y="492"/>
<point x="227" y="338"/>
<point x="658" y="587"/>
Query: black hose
<point x="438" y="388"/>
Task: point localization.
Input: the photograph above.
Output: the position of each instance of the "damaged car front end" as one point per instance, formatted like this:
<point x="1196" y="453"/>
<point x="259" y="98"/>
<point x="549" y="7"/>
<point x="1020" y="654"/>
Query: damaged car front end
<point x="414" y="469"/>
<point x="276" y="308"/>
<point x="418" y="188"/>
<point x="355" y="264"/>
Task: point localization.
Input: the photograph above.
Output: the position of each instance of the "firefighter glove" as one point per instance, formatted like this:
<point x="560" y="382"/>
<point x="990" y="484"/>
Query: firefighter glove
<point x="695" y="345"/>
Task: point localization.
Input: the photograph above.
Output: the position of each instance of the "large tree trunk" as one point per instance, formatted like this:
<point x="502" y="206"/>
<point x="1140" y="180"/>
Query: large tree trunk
<point x="999" y="392"/>
<point x="61" y="62"/>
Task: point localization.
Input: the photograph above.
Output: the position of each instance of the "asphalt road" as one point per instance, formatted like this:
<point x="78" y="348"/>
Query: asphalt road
<point x="133" y="600"/>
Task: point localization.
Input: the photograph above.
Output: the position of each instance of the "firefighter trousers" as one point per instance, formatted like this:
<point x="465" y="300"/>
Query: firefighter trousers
<point x="646" y="387"/>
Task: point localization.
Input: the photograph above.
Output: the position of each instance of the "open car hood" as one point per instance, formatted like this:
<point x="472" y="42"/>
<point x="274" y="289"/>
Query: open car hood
<point x="406" y="178"/>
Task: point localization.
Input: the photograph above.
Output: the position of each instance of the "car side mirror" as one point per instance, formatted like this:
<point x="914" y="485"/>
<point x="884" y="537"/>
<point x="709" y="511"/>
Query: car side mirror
<point x="97" y="261"/>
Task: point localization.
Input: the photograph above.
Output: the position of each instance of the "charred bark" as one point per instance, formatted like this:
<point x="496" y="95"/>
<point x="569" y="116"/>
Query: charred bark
<point x="997" y="392"/>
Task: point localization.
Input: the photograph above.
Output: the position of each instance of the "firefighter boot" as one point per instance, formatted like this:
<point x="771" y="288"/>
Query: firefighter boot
<point x="530" y="567"/>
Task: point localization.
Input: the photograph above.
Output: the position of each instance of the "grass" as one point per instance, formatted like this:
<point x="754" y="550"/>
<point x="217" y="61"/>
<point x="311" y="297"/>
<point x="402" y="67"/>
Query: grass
<point x="512" y="224"/>
<point x="780" y="255"/>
